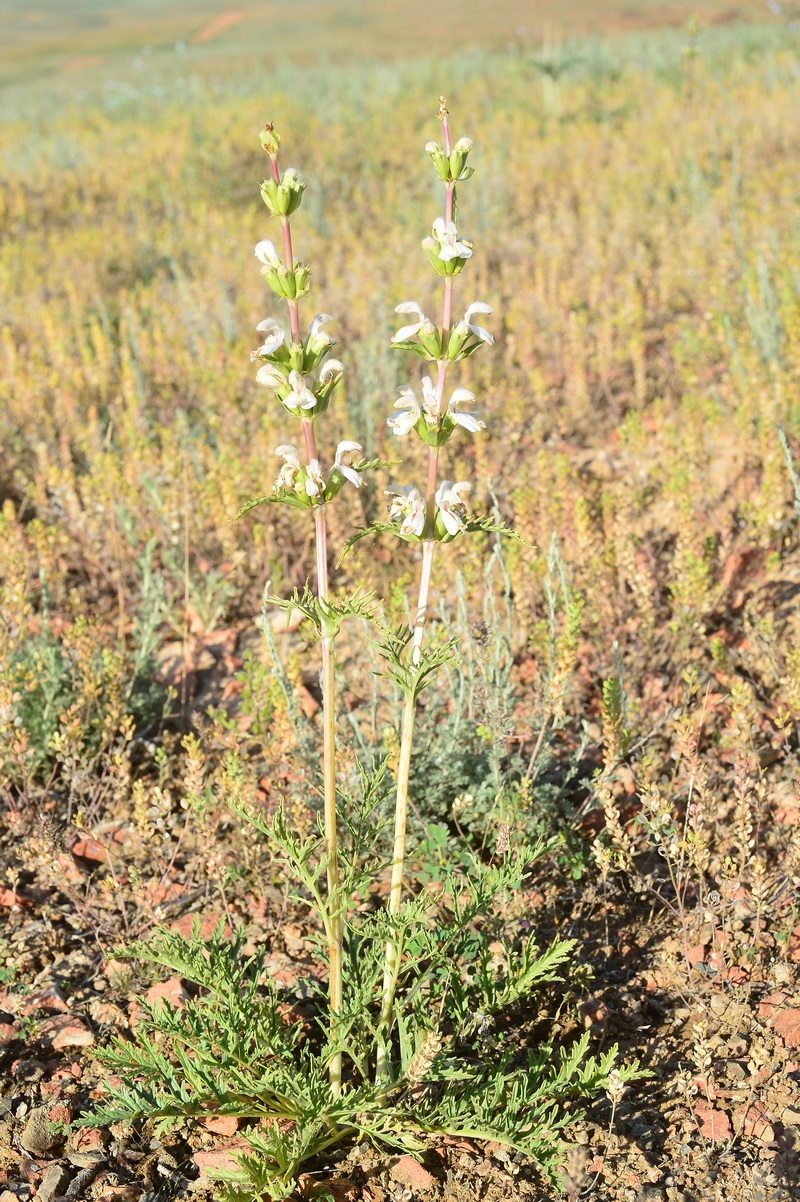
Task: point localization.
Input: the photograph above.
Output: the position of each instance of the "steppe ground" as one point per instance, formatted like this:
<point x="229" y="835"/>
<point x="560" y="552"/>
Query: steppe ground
<point x="635" y="212"/>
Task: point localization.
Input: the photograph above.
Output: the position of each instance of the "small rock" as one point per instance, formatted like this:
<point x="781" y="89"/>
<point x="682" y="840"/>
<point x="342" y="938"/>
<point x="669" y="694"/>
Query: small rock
<point x="791" y="1117"/>
<point x="114" y="969"/>
<point x="90" y="849"/>
<point x="64" y="1031"/>
<point x="410" y="1172"/>
<point x="51" y="1000"/>
<point x="594" y="1012"/>
<point x="120" y="1193"/>
<point x="751" y="1121"/>
<point x="651" y="1193"/>
<point x="768" y="1005"/>
<point x="85" y="1140"/>
<point x="217" y="1158"/>
<point x="787" y="1025"/>
<point x="85" y="1160"/>
<point x="37" y="1138"/>
<point x="224" y="1125"/>
<point x="54" y="1182"/>
<point x="8" y="1033"/>
<point x="170" y="992"/>
<point x="714" y="1124"/>
<point x="29" y="1071"/>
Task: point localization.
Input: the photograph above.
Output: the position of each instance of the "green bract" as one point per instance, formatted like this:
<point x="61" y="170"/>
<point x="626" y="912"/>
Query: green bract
<point x="451" y="168"/>
<point x="283" y="198"/>
<point x="289" y="285"/>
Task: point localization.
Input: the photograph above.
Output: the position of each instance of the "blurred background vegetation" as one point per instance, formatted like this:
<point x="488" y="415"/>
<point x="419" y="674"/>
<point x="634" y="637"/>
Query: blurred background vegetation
<point x="635" y="210"/>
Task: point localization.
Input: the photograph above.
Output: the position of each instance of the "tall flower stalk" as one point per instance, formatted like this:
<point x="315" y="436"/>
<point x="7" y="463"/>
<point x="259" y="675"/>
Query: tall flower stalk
<point x="439" y="514"/>
<point x="303" y="377"/>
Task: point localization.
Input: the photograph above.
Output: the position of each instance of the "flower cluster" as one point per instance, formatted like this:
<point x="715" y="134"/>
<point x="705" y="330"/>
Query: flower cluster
<point x="441" y="513"/>
<point x="297" y="369"/>
<point x="307" y="481"/>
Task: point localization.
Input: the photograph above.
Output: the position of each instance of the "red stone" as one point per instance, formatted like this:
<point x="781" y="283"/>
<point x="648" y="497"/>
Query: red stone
<point x="714" y="1124"/>
<point x="218" y="1158"/>
<point x="63" y="1031"/>
<point x="787" y="1025"/>
<point x="409" y="1171"/>
<point x="90" y="849"/>
<point x="752" y="1121"/>
<point x="226" y="1124"/>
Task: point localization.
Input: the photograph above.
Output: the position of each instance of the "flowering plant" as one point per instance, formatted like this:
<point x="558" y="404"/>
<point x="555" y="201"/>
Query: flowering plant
<point x="401" y="1046"/>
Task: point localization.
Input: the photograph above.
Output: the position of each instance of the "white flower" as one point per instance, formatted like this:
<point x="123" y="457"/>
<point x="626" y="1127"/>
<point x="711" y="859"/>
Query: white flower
<point x="430" y="402"/>
<point x="315" y="327"/>
<point x="409" y="504"/>
<point x="301" y="396"/>
<point x="463" y="145"/>
<point x="469" y="421"/>
<point x="267" y="254"/>
<point x="332" y="368"/>
<point x="466" y="326"/>
<point x="451" y="505"/>
<point x="270" y="376"/>
<point x="405" y="421"/>
<point x="445" y="241"/>
<point x="274" y="338"/>
<point x="345" y="449"/>
<point x="315" y="485"/>
<point x="409" y="331"/>
<point x="291" y="466"/>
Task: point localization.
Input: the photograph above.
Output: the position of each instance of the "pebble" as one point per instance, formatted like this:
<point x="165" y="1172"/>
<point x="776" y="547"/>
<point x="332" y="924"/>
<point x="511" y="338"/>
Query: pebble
<point x="37" y="1138"/>
<point x="53" y="1183"/>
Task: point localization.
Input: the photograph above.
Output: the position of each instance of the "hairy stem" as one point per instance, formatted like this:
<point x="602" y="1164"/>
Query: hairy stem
<point x="409" y="712"/>
<point x="327" y="642"/>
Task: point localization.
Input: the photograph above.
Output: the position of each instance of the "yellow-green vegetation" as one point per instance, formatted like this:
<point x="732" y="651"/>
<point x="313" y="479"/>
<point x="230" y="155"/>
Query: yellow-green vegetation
<point x="632" y="686"/>
<point x="90" y="38"/>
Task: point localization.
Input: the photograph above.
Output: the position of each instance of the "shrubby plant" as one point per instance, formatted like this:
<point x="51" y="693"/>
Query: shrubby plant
<point x="401" y="1047"/>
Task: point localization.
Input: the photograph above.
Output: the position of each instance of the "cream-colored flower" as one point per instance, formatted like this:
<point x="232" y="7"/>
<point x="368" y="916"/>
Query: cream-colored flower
<point x="267" y="254"/>
<point x="315" y="485"/>
<point x="406" y="332"/>
<point x="345" y="449"/>
<point x="445" y="241"/>
<point x="274" y="338"/>
<point x="301" y="396"/>
<point x="467" y="326"/>
<point x="451" y="504"/>
<point x="291" y="466"/>
<point x="408" y="504"/>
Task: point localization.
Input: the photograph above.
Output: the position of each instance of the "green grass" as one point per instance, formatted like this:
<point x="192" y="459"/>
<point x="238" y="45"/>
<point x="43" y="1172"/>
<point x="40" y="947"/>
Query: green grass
<point x="89" y="38"/>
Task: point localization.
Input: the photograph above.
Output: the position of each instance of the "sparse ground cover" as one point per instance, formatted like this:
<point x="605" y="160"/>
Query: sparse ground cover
<point x="629" y="685"/>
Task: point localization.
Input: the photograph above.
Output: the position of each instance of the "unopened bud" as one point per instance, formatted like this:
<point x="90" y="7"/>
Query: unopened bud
<point x="430" y="339"/>
<point x="270" y="139"/>
<point x="439" y="160"/>
<point x="458" y="159"/>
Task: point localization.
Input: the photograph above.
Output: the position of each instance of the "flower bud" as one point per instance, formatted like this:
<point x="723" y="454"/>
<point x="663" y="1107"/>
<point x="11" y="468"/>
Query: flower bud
<point x="439" y="160"/>
<point x="458" y="159"/>
<point x="430" y="339"/>
<point x="458" y="337"/>
<point x="270" y="139"/>
<point x="282" y="199"/>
